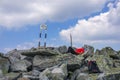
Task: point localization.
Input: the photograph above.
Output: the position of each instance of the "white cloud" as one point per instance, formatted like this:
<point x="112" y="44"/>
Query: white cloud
<point x="7" y="49"/>
<point x="17" y="13"/>
<point x="23" y="46"/>
<point x="26" y="45"/>
<point x="103" y="28"/>
<point x="29" y="45"/>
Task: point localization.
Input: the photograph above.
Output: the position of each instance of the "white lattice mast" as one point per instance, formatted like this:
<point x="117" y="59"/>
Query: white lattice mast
<point x="43" y="28"/>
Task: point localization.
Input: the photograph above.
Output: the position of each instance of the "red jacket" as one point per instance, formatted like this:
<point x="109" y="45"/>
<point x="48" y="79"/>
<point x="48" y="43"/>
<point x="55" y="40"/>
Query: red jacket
<point x="79" y="50"/>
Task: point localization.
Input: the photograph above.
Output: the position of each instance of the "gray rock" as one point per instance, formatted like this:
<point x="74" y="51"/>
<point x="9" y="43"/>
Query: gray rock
<point x="56" y="50"/>
<point x="98" y="52"/>
<point x="112" y="76"/>
<point x="43" y="62"/>
<point x="31" y="75"/>
<point x="75" y="74"/>
<point x="14" y="56"/>
<point x="101" y="76"/>
<point x="4" y="78"/>
<point x="119" y="52"/>
<point x="1" y="73"/>
<point x="1" y="54"/>
<point x="13" y="76"/>
<point x="21" y="65"/>
<point x="33" y="49"/>
<point x="60" y="72"/>
<point x="17" y="62"/>
<point x="82" y="76"/>
<point x="108" y="51"/>
<point x="4" y="65"/>
<point x="117" y="63"/>
<point x="78" y="75"/>
<point x="89" y="50"/>
<point x="54" y="73"/>
<point x="43" y="75"/>
<point x="41" y="51"/>
<point x="23" y="79"/>
<point x="111" y="57"/>
<point x="35" y="73"/>
<point x="62" y="49"/>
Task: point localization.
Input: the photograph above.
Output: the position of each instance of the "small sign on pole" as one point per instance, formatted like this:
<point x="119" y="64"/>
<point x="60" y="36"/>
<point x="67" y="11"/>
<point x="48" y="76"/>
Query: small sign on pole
<point x="43" y="27"/>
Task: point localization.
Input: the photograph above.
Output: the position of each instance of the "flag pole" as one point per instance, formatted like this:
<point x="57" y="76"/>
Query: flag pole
<point x="70" y="40"/>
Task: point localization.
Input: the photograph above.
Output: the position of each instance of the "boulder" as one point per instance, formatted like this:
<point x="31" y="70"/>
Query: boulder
<point x="75" y="74"/>
<point x="108" y="51"/>
<point x="116" y="63"/>
<point x="119" y="52"/>
<point x="1" y="73"/>
<point x="39" y="51"/>
<point x="4" y="65"/>
<point x="98" y="52"/>
<point x="111" y="76"/>
<point x="78" y="75"/>
<point x="23" y="79"/>
<point x="43" y="75"/>
<point x="13" y="76"/>
<point x="62" y="49"/>
<point x="14" y="55"/>
<point x="33" y="75"/>
<point x="82" y="76"/>
<point x="1" y="54"/>
<point x="89" y="50"/>
<point x="21" y="65"/>
<point x="43" y="62"/>
<point x="33" y="49"/>
<point x="55" y="73"/>
<point x="60" y="72"/>
<point x="4" y="78"/>
<point x="17" y="61"/>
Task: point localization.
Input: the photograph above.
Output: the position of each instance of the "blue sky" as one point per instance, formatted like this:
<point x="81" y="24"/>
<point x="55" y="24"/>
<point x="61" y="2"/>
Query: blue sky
<point x="92" y="22"/>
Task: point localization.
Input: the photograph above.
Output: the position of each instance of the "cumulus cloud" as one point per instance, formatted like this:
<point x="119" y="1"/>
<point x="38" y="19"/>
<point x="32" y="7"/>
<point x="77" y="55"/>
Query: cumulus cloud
<point x="103" y="28"/>
<point x="17" y="13"/>
<point x="23" y="46"/>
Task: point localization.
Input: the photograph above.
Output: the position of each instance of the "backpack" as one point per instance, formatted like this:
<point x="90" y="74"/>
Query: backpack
<point x="93" y="67"/>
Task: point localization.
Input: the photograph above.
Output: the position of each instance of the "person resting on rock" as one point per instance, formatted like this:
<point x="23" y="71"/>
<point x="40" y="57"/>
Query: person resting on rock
<point x="76" y="51"/>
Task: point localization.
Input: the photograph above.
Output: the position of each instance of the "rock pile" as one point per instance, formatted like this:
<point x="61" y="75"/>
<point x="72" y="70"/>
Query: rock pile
<point x="55" y="64"/>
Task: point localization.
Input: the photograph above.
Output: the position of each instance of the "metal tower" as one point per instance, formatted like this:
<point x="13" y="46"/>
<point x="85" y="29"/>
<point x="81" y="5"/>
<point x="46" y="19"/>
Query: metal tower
<point x="43" y="28"/>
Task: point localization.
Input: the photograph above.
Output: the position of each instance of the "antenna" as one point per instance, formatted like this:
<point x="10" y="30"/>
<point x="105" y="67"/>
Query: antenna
<point x="43" y="27"/>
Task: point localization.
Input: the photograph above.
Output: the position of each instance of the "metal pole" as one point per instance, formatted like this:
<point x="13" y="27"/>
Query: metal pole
<point x="45" y="38"/>
<point x="71" y="40"/>
<point x="40" y="35"/>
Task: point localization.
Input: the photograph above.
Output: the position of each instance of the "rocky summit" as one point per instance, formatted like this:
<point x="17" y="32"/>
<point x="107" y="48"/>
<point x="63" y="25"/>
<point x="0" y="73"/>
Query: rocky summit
<point x="55" y="63"/>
